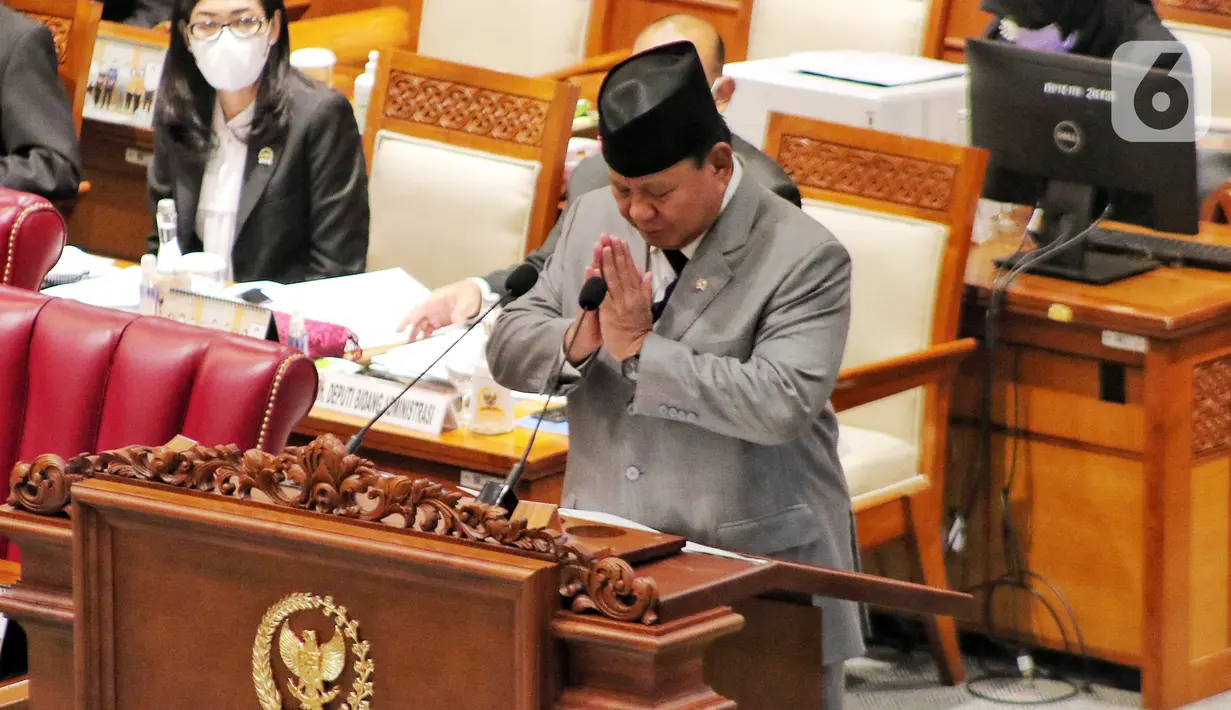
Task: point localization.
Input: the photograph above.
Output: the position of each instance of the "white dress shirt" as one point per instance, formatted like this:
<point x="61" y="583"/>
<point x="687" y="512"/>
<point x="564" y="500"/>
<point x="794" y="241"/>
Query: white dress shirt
<point x="222" y="184"/>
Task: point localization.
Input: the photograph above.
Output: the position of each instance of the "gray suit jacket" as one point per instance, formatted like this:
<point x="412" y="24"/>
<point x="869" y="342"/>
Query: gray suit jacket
<point x="39" y="152"/>
<point x="723" y="433"/>
<point x="592" y="174"/>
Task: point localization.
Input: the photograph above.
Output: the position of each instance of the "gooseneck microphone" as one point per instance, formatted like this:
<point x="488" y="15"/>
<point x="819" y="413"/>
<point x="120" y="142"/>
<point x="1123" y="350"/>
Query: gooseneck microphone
<point x="516" y="285"/>
<point x="503" y="494"/>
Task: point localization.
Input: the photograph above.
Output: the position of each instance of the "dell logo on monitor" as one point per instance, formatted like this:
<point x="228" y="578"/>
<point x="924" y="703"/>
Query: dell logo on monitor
<point x="1067" y="136"/>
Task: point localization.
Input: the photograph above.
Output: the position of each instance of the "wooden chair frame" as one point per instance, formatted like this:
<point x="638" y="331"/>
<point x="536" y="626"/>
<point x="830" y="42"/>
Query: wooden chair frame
<point x="74" y="24"/>
<point x="870" y="174"/>
<point x="1216" y="207"/>
<point x="949" y="24"/>
<point x="541" y="132"/>
<point x="589" y="73"/>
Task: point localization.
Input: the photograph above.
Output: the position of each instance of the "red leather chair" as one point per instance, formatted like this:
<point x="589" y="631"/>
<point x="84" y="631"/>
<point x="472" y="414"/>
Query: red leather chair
<point x="78" y="379"/>
<point x="35" y="234"/>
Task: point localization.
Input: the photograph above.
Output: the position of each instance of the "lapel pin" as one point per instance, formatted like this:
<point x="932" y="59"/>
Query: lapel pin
<point x="266" y="156"/>
<point x="702" y="284"/>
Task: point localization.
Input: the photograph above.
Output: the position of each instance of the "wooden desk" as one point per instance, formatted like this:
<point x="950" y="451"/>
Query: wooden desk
<point x="455" y="457"/>
<point x="1122" y="487"/>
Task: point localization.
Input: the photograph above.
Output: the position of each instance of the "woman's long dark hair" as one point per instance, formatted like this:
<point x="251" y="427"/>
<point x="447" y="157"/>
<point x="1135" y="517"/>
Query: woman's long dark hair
<point x="186" y="100"/>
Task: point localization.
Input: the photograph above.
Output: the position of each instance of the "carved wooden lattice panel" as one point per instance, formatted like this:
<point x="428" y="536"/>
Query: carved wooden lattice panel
<point x="466" y="109"/>
<point x="59" y="27"/>
<point x="1212" y="405"/>
<point x="868" y="173"/>
<point x="1213" y="7"/>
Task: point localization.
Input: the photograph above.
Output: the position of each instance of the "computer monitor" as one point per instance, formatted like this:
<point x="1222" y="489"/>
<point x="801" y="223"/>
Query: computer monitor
<point x="1046" y="120"/>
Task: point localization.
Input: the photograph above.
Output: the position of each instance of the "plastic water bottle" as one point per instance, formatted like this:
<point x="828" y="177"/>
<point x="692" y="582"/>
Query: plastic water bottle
<point x="149" y="286"/>
<point x="169" y="252"/>
<point x="363" y="89"/>
<point x="297" y="337"/>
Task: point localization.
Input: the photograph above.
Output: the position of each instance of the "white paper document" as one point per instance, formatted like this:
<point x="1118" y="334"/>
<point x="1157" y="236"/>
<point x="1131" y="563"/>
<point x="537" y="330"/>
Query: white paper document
<point x="609" y="519"/>
<point x="370" y="304"/>
<point x="75" y="264"/>
<point x="118" y="289"/>
<point x="875" y="68"/>
<point x="409" y="360"/>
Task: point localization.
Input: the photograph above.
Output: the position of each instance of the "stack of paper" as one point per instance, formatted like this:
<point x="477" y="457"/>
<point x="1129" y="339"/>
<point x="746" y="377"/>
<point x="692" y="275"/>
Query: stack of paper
<point x="372" y="305"/>
<point x="593" y="516"/>
<point x="875" y="68"/>
<point x="75" y="264"/>
<point x="409" y="360"/>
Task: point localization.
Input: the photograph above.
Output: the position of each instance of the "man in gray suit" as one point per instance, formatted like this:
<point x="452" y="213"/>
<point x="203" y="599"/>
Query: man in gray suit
<point x="458" y="302"/>
<point x="38" y="142"/>
<point x="698" y="393"/>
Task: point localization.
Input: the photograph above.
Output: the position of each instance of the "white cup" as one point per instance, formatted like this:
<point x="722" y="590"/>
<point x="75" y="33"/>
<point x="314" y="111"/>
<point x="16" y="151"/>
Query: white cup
<point x="204" y="269"/>
<point x="316" y="62"/>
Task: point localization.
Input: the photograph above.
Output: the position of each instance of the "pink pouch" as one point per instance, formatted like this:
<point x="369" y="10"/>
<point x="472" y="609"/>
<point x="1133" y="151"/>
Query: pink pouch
<point x="324" y="339"/>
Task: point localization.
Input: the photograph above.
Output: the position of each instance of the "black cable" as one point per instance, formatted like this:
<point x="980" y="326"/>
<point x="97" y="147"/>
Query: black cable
<point x="1017" y="573"/>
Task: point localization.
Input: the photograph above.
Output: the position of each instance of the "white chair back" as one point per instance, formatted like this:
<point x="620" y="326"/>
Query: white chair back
<point x="895" y="264"/>
<point x="1217" y="44"/>
<point x="780" y="27"/>
<point x="527" y="37"/>
<point x="442" y="212"/>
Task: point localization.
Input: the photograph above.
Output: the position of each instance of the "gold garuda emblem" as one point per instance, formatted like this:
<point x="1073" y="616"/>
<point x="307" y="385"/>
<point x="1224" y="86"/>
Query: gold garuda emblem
<point x="315" y="665"/>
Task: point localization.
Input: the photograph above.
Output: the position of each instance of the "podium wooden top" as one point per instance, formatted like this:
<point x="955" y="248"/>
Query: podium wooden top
<point x="323" y="486"/>
<point x="1167" y="303"/>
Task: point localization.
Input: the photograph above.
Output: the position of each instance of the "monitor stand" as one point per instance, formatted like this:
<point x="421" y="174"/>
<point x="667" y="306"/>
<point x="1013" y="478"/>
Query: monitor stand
<point x="1067" y="210"/>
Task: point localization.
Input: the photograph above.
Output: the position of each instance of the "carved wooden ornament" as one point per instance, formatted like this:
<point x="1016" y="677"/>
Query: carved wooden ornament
<point x="466" y="109"/>
<point x="321" y="477"/>
<point x="60" y="27"/>
<point x="868" y="173"/>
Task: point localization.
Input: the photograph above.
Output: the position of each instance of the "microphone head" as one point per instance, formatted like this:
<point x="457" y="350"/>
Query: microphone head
<point x="521" y="281"/>
<point x="593" y="291"/>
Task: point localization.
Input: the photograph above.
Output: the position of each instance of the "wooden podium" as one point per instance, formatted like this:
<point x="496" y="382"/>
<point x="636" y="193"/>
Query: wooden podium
<point x="220" y="578"/>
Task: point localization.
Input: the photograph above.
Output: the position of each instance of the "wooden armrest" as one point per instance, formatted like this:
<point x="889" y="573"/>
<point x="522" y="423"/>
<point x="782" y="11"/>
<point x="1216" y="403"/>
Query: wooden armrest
<point x="351" y="35"/>
<point x="877" y="380"/>
<point x="1216" y="207"/>
<point x="590" y="65"/>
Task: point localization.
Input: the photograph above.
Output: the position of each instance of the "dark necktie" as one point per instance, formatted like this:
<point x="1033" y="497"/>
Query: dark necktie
<point x="678" y="261"/>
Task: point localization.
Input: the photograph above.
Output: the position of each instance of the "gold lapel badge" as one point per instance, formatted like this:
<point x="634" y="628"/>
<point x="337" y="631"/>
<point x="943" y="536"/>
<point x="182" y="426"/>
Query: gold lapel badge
<point x="314" y="665"/>
<point x="266" y="156"/>
<point x="702" y="284"/>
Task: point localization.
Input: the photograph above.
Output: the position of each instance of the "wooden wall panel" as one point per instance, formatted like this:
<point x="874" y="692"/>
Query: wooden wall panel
<point x="615" y="24"/>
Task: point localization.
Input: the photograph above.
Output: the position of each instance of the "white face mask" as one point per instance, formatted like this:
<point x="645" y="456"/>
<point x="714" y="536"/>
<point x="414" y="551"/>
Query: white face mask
<point x="231" y="63"/>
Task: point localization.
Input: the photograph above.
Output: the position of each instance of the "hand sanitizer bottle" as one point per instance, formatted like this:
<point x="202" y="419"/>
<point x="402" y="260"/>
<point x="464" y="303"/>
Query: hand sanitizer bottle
<point x="363" y="89"/>
<point x="149" y="286"/>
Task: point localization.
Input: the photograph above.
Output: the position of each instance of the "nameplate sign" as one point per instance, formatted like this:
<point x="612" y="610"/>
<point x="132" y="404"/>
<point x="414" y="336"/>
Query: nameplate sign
<point x="421" y="409"/>
<point x="216" y="313"/>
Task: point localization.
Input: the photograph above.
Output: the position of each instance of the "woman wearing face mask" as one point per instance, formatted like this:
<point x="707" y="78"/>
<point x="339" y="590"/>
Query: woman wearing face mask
<point x="265" y="165"/>
<point x="1094" y="28"/>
